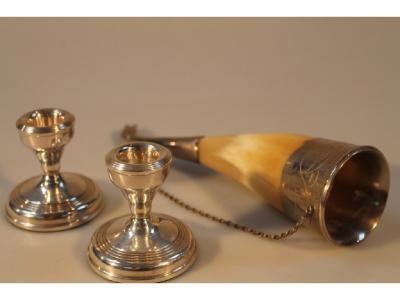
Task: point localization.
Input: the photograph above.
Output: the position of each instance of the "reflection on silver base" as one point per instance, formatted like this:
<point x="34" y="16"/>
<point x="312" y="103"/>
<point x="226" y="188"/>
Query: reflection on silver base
<point x="54" y="203"/>
<point x="153" y="250"/>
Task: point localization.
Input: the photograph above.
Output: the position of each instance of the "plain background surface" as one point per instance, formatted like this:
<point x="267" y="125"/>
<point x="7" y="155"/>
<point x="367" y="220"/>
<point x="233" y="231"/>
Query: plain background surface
<point x="332" y="78"/>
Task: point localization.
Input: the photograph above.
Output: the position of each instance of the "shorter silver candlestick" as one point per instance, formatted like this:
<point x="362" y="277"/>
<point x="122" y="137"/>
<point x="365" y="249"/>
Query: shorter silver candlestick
<point x="54" y="200"/>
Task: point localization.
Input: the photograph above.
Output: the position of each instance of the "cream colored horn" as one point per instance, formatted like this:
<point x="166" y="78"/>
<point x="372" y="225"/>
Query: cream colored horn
<point x="346" y="184"/>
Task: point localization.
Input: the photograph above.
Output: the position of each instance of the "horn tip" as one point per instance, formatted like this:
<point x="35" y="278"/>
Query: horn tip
<point x="129" y="132"/>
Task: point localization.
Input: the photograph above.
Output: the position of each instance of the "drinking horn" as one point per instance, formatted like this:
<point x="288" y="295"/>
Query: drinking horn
<point x="347" y="185"/>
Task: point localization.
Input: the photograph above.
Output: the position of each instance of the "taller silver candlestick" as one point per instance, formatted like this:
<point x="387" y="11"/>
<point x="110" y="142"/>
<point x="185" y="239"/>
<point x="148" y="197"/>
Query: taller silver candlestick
<point x="142" y="246"/>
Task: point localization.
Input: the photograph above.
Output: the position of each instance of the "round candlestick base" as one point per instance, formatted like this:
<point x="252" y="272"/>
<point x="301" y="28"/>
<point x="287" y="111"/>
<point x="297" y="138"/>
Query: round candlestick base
<point x="126" y="250"/>
<point x="54" y="203"/>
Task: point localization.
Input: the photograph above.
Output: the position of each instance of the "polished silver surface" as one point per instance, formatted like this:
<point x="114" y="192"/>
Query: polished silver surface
<point x="142" y="246"/>
<point x="346" y="184"/>
<point x="186" y="148"/>
<point x="54" y="201"/>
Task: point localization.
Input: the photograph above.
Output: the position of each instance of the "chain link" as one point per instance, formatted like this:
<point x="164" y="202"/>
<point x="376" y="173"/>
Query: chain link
<point x="300" y="222"/>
